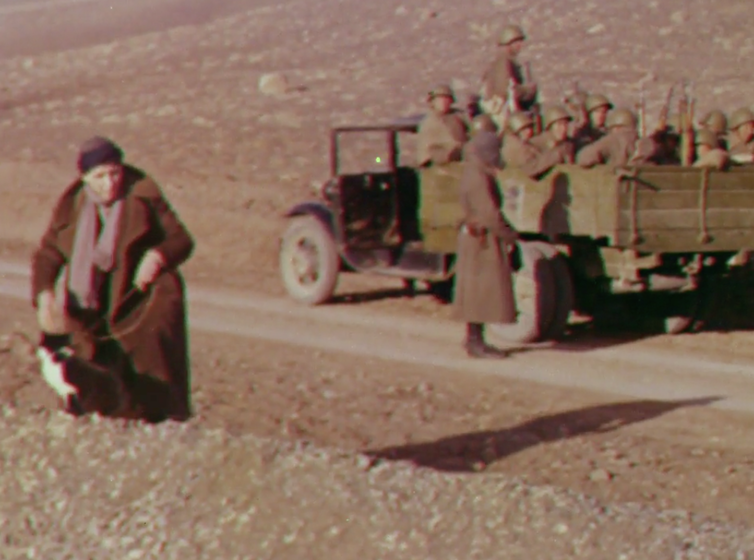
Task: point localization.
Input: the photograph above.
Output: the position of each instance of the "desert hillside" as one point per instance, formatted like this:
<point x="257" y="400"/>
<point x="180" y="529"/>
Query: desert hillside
<point x="356" y="430"/>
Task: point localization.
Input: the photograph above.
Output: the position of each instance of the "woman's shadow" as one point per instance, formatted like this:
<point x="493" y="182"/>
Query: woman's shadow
<point x="462" y="453"/>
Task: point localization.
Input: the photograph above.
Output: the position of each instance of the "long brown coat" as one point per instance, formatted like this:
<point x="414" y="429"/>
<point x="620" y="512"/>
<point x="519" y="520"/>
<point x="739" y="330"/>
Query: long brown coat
<point x="440" y="138"/>
<point x="496" y="79"/>
<point x="529" y="158"/>
<point x="619" y="147"/>
<point x="484" y="285"/>
<point x="150" y="331"/>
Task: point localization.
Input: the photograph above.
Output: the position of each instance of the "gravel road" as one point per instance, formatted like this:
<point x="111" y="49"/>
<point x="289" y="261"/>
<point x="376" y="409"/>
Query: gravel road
<point x="641" y="369"/>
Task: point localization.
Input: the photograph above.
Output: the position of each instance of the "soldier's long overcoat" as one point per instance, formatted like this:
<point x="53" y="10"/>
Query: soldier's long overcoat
<point x="484" y="285"/>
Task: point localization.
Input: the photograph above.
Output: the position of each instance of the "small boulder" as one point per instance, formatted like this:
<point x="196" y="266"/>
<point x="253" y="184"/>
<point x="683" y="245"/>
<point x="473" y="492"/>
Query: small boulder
<point x="274" y="83"/>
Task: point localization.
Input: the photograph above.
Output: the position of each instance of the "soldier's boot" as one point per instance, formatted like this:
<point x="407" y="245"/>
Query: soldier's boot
<point x="475" y="345"/>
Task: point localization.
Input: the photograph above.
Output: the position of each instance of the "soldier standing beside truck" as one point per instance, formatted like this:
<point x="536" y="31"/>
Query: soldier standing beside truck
<point x="484" y="283"/>
<point x="481" y="123"/>
<point x="443" y="131"/>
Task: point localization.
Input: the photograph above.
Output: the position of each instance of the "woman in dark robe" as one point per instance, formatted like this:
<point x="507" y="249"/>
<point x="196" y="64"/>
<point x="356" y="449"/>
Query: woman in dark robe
<point x="108" y="265"/>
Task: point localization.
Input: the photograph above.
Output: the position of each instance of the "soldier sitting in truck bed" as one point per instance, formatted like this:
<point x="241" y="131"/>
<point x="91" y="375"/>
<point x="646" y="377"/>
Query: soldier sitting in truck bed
<point x="716" y="122"/>
<point x="596" y="107"/>
<point x="741" y="140"/>
<point x="621" y="146"/>
<point x="555" y="136"/>
<point x="518" y="150"/>
<point x="443" y="131"/>
<point x="708" y="151"/>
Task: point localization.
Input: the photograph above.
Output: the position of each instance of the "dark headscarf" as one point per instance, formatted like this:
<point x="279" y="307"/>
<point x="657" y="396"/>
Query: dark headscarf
<point x="98" y="151"/>
<point x="485" y="147"/>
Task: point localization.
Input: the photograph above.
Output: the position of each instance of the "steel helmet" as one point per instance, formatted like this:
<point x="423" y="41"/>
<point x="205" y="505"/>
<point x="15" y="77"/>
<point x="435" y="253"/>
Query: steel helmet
<point x="519" y="120"/>
<point x="441" y="90"/>
<point x="595" y="101"/>
<point x="621" y="117"/>
<point x="740" y="117"/>
<point x="716" y="121"/>
<point x="555" y="114"/>
<point x="511" y="33"/>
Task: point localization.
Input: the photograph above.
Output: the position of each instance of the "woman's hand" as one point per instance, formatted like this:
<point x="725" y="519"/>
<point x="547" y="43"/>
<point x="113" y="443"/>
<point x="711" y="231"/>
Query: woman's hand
<point x="149" y="269"/>
<point x="49" y="314"/>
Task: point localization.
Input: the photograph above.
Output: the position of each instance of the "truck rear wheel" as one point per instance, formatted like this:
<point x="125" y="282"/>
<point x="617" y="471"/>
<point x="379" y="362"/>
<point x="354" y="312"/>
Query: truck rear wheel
<point x="564" y="298"/>
<point x="681" y="312"/>
<point x="534" y="288"/>
<point x="309" y="261"/>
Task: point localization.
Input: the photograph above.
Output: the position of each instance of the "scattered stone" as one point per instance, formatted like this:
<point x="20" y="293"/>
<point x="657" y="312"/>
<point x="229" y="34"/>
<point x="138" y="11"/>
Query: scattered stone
<point x="679" y="17"/>
<point x="166" y="111"/>
<point x="600" y="475"/>
<point x="202" y="122"/>
<point x="401" y="11"/>
<point x="595" y="29"/>
<point x="274" y="83"/>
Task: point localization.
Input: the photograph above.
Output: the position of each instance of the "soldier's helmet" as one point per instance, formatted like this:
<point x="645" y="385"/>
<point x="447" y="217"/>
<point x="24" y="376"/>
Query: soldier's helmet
<point x="621" y="117"/>
<point x="740" y="117"/>
<point x="482" y="122"/>
<point x="555" y="114"/>
<point x="704" y="137"/>
<point x="509" y="34"/>
<point x="716" y="121"/>
<point x="440" y="91"/>
<point x="519" y="120"/>
<point x="595" y="101"/>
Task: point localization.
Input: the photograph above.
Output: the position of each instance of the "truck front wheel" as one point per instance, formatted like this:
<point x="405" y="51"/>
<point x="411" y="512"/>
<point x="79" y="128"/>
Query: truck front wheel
<point x="309" y="261"/>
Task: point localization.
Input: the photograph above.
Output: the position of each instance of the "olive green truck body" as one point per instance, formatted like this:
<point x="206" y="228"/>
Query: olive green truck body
<point x="660" y="230"/>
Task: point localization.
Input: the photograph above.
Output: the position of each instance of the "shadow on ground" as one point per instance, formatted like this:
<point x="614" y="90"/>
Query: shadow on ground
<point x="466" y="452"/>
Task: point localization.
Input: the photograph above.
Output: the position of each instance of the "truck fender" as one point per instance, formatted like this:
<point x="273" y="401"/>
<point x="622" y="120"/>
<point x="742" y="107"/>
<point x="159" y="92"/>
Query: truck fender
<point x="316" y="209"/>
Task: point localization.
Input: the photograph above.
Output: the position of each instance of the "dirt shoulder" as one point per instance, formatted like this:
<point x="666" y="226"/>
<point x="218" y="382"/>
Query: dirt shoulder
<point x="673" y="454"/>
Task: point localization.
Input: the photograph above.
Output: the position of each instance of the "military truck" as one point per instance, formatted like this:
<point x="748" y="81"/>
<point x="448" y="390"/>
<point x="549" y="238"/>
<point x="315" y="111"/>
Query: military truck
<point x="646" y="239"/>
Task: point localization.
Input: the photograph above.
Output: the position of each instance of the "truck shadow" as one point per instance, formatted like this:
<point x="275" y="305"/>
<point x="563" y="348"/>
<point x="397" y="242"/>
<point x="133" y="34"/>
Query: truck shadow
<point x="441" y="292"/>
<point x="467" y="452"/>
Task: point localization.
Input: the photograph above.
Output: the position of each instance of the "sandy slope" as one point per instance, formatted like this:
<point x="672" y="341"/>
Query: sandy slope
<point x="178" y="88"/>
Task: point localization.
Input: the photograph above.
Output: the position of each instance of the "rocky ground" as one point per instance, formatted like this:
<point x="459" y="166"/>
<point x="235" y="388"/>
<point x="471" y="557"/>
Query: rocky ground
<point x="401" y="461"/>
<point x="100" y="489"/>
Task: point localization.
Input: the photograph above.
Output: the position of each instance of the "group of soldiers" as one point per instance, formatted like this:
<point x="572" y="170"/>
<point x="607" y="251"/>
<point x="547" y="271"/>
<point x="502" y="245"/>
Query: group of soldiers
<point x="505" y="127"/>
<point x="586" y="129"/>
